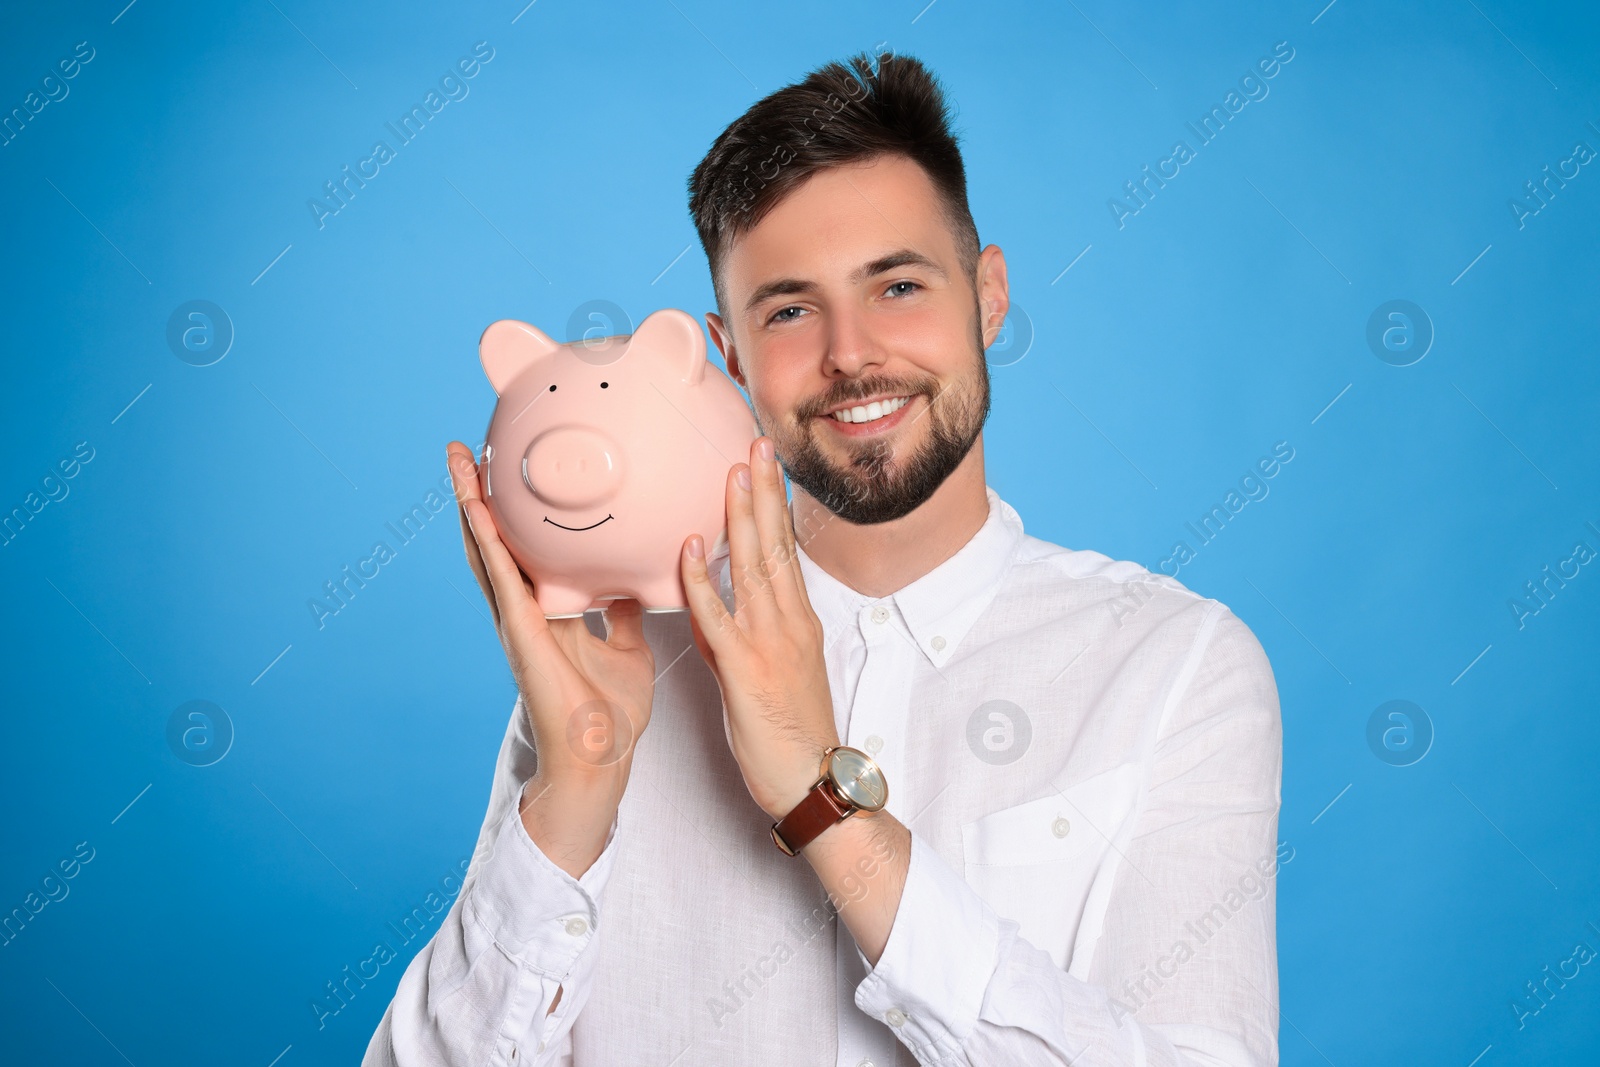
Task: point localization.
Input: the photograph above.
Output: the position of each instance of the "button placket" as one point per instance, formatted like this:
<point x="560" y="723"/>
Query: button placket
<point x="876" y="725"/>
<point x="878" y="713"/>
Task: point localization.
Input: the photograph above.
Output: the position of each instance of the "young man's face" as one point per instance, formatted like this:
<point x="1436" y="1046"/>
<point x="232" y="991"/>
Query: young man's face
<point x="851" y="291"/>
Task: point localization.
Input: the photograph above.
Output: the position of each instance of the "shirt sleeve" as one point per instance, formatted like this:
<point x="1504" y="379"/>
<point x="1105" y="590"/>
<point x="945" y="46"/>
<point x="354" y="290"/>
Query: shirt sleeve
<point x="1184" y="971"/>
<point x="520" y="929"/>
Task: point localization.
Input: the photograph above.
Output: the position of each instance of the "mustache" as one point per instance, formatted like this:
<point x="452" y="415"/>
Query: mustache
<point x="861" y="391"/>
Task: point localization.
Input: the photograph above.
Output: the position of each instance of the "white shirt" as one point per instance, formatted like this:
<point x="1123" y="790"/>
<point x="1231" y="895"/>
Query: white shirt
<point x="1088" y="757"/>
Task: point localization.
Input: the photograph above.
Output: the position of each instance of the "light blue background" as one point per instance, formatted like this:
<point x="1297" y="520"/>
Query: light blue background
<point x="1224" y="317"/>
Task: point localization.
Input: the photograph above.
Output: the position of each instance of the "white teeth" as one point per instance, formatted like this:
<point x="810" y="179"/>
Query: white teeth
<point x="873" y="411"/>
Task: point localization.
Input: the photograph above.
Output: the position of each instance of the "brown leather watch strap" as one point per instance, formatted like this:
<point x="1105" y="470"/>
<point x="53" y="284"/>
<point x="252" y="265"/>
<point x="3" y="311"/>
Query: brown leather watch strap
<point x="818" y="811"/>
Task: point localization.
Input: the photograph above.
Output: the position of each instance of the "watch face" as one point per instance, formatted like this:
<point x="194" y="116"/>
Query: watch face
<point x="858" y="778"/>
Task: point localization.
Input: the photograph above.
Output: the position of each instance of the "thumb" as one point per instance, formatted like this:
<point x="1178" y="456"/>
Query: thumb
<point x="704" y="646"/>
<point x="624" y="621"/>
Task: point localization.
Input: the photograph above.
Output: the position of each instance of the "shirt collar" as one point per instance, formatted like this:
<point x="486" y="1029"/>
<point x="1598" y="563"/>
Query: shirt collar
<point x="942" y="605"/>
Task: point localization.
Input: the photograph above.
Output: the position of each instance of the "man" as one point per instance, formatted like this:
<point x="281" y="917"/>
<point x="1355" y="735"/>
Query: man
<point x="1082" y="759"/>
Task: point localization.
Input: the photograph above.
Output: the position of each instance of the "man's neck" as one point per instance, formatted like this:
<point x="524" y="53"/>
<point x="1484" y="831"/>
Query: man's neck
<point x="883" y="558"/>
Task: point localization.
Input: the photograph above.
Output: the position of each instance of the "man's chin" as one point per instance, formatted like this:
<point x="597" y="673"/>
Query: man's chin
<point x="867" y="468"/>
<point x="861" y="495"/>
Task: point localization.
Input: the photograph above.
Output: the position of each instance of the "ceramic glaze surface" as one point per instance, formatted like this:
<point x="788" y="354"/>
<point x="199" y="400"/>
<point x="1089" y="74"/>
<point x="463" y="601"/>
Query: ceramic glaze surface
<point x="602" y="456"/>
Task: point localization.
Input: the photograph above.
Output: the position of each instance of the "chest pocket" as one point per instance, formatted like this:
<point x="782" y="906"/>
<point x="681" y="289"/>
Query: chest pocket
<point x="1035" y="863"/>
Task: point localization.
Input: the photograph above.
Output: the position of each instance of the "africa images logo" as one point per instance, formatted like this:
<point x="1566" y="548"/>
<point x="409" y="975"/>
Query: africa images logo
<point x="452" y="85"/>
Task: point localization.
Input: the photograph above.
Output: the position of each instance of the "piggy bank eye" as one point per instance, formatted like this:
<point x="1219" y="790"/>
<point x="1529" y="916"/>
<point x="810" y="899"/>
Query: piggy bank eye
<point x="605" y="385"/>
<point x="552" y="388"/>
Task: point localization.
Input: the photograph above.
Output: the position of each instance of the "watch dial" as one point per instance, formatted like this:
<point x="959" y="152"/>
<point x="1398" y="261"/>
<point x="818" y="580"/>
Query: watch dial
<point x="858" y="778"/>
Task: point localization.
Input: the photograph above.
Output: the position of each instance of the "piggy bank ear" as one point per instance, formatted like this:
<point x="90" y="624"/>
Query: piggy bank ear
<point x="508" y="347"/>
<point x="673" y="337"/>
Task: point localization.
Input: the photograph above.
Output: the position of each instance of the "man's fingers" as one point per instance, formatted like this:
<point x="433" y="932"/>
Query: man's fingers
<point x="475" y="561"/>
<point x="706" y="609"/>
<point x="463" y="470"/>
<point x="624" y="621"/>
<point x="464" y="479"/>
<point x="745" y="564"/>
<point x="773" y="525"/>
<point x="518" y="607"/>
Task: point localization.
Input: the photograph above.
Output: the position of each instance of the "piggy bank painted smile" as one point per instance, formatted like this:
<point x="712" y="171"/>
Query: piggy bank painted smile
<point x="604" y="455"/>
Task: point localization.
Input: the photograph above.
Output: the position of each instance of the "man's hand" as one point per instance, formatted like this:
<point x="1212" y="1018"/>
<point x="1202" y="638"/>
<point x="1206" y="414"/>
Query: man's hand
<point x="767" y="655"/>
<point x="587" y="700"/>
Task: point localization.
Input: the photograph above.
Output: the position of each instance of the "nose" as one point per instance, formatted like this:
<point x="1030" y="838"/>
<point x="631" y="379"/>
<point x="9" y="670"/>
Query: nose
<point x="852" y="350"/>
<point x="572" y="467"/>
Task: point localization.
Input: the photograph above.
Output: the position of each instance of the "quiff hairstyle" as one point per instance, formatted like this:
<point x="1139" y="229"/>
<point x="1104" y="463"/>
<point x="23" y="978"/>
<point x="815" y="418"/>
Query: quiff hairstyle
<point x="839" y="114"/>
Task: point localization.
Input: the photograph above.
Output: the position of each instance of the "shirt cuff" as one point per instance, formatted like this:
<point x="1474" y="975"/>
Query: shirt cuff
<point x="944" y="946"/>
<point x="536" y="912"/>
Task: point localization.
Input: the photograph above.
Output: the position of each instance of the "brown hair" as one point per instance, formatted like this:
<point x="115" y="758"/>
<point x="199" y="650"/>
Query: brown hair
<point x="839" y="114"/>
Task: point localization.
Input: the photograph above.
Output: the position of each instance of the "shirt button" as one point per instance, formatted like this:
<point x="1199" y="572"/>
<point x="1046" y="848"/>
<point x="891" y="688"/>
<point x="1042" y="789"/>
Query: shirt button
<point x="1061" y="827"/>
<point x="866" y="1063"/>
<point x="880" y="614"/>
<point x="577" y="927"/>
<point x="873" y="744"/>
<point x="895" y="1017"/>
<point x="938" y="644"/>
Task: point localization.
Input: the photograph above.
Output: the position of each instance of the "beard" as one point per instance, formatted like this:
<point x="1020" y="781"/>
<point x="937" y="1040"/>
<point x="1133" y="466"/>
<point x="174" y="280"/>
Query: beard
<point x="871" y="487"/>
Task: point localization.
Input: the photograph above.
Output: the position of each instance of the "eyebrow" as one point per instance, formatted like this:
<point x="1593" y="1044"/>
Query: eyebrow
<point x="904" y="257"/>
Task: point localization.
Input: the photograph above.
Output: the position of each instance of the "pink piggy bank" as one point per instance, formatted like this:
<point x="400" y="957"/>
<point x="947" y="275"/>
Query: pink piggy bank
<point x="602" y="456"/>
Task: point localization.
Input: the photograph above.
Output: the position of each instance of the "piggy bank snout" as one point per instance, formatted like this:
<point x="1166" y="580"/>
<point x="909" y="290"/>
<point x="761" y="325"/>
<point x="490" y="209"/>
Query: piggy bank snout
<point x="573" y="467"/>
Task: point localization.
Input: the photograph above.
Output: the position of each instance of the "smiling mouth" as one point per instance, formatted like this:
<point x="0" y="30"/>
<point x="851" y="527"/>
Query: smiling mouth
<point x="579" y="529"/>
<point x="859" y="414"/>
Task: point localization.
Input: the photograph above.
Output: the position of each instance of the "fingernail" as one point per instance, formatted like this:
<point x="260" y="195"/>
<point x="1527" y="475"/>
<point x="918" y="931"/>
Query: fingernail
<point x="764" y="447"/>
<point x="743" y="478"/>
<point x="697" y="547"/>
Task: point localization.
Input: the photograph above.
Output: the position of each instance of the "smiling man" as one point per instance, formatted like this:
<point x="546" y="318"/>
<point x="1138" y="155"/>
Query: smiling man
<point x="932" y="790"/>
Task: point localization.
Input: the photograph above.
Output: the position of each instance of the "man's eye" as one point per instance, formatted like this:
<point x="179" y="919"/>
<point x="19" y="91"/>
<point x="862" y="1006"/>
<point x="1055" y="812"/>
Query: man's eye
<point x="779" y="315"/>
<point x="897" y="285"/>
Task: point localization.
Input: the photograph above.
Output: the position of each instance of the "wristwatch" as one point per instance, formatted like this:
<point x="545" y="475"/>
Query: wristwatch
<point x="848" y="784"/>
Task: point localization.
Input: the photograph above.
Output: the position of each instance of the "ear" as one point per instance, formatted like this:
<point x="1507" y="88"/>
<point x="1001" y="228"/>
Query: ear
<point x="676" y="333"/>
<point x="724" y="342"/>
<point x="508" y="347"/>
<point x="994" y="294"/>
